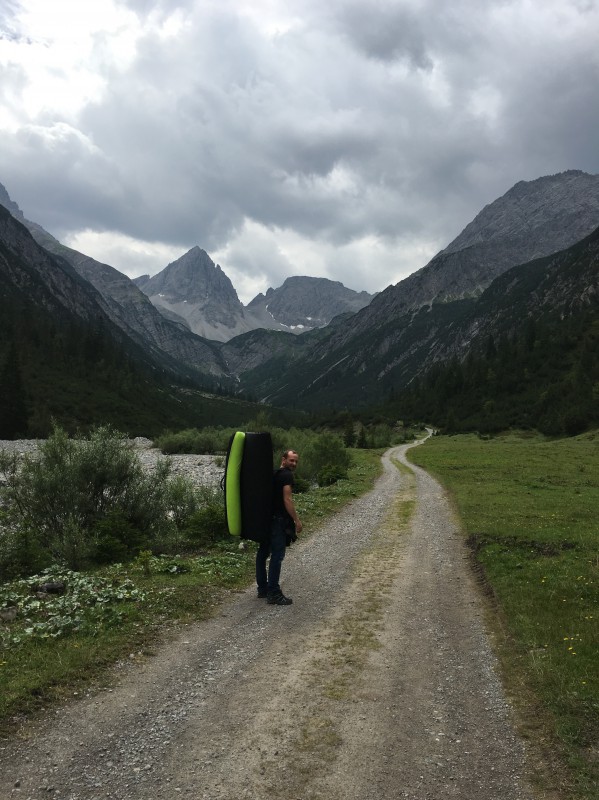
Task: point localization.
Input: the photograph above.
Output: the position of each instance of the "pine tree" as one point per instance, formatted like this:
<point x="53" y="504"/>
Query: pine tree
<point x="349" y="434"/>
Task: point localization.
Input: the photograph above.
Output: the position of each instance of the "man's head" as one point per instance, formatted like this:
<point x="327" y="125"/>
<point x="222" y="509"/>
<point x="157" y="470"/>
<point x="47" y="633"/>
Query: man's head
<point x="289" y="459"/>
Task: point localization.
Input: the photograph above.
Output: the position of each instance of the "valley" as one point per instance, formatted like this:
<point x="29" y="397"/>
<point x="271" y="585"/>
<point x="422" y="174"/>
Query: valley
<point x="366" y="355"/>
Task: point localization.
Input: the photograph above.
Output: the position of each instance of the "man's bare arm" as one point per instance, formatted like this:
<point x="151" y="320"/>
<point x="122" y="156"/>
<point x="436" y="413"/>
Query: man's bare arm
<point x="290" y="507"/>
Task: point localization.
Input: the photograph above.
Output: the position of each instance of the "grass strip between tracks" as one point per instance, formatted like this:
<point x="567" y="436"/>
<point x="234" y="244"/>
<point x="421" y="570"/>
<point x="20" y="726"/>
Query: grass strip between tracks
<point x="530" y="509"/>
<point x="336" y="670"/>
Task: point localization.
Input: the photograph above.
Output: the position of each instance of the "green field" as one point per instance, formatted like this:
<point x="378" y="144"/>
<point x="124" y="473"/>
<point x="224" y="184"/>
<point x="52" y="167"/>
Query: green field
<point x="530" y="509"/>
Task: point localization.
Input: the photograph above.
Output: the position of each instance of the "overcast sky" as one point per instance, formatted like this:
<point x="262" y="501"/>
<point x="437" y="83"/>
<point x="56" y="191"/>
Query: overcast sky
<point x="344" y="139"/>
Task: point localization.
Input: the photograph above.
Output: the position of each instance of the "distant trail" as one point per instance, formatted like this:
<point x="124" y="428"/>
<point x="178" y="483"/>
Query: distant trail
<point x="378" y="682"/>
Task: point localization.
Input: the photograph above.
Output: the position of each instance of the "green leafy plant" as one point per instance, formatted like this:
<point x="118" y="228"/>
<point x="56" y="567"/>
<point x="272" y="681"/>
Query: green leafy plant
<point x="195" y="440"/>
<point x="325" y="460"/>
<point x="88" y="603"/>
<point x="207" y="523"/>
<point x="88" y="500"/>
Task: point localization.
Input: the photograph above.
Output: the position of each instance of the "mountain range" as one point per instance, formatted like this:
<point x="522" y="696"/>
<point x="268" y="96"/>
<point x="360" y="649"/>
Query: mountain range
<point x="196" y="292"/>
<point x="353" y="349"/>
<point x="408" y="326"/>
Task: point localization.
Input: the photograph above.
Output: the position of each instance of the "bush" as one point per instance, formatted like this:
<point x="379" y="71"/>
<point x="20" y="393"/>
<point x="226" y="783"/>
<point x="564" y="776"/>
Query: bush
<point x="325" y="459"/>
<point x="20" y="551"/>
<point x="300" y="485"/>
<point x="87" y="500"/>
<point x="116" y="539"/>
<point x="207" y="523"/>
<point x="330" y="475"/>
<point x="381" y="435"/>
<point x="182" y="501"/>
<point x="205" y="441"/>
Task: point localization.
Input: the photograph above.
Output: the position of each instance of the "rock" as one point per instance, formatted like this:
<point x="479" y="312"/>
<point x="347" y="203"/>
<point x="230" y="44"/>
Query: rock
<point x="8" y="614"/>
<point x="51" y="587"/>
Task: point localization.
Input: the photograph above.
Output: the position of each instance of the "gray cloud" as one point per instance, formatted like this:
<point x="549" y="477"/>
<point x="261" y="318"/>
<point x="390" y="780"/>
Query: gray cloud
<point x="386" y="31"/>
<point x="388" y="122"/>
<point x="8" y="29"/>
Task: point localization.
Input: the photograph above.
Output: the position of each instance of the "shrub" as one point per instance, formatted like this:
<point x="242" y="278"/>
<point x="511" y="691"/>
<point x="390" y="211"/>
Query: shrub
<point x="380" y="435"/>
<point x="362" y="442"/>
<point x="300" y="485"/>
<point x="182" y="500"/>
<point x="204" y="441"/>
<point x="87" y="500"/>
<point x="117" y="539"/>
<point x="207" y="523"/>
<point x="20" y="551"/>
<point x="330" y="474"/>
<point x="325" y="458"/>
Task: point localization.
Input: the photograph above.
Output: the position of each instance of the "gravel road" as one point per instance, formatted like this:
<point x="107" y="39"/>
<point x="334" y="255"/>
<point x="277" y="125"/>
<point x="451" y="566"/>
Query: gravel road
<point x="378" y="682"/>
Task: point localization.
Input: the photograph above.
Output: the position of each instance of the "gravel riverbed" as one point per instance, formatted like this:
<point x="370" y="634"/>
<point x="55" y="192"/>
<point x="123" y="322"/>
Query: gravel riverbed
<point x="202" y="470"/>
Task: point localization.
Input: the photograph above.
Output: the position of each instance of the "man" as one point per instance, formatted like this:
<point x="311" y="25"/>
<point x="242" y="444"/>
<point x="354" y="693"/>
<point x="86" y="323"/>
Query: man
<point x="284" y="519"/>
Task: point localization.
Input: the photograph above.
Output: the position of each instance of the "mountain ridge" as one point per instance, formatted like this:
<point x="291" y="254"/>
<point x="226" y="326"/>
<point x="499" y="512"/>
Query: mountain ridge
<point x="129" y="308"/>
<point x="387" y="343"/>
<point x="196" y="292"/>
<point x="380" y="340"/>
<point x="562" y="285"/>
<point x="524" y="355"/>
<point x="64" y="361"/>
<point x="563" y="209"/>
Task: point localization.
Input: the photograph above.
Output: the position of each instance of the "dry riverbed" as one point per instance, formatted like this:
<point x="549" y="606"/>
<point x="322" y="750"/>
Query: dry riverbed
<point x="201" y="470"/>
<point x="378" y="682"/>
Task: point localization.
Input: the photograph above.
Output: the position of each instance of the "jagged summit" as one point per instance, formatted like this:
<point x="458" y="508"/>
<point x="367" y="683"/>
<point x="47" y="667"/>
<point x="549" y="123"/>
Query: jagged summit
<point x="306" y="302"/>
<point x="196" y="292"/>
<point x="532" y="219"/>
<point x="193" y="278"/>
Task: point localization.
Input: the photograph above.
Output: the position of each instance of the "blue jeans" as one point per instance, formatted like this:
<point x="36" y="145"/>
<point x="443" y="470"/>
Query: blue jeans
<point x="275" y="547"/>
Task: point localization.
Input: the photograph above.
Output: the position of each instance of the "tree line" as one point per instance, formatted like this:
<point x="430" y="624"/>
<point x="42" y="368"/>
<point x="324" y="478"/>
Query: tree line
<point x="543" y="377"/>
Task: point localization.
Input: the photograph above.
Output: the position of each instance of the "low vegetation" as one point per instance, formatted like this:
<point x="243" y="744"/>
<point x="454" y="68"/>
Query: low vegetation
<point x="530" y="508"/>
<point x="324" y="452"/>
<point x="324" y="457"/>
<point x="88" y="501"/>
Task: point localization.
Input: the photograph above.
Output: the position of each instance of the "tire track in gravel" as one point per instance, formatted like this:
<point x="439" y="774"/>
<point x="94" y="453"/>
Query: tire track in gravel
<point x="378" y="682"/>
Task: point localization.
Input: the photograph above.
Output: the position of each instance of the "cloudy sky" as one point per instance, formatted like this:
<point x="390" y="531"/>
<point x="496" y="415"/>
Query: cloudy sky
<point x="345" y="139"/>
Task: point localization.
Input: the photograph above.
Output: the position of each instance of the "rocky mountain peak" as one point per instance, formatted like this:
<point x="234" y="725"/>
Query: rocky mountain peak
<point x="532" y="219"/>
<point x="307" y="302"/>
<point x="194" y="291"/>
<point x="9" y="204"/>
<point x="535" y="209"/>
<point x="193" y="278"/>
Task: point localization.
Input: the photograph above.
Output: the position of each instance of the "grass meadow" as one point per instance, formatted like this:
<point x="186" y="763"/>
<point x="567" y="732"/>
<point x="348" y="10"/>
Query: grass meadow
<point x="530" y="509"/>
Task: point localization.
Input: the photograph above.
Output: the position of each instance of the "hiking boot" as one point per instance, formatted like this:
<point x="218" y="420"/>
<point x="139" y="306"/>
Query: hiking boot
<point x="262" y="592"/>
<point x="278" y="599"/>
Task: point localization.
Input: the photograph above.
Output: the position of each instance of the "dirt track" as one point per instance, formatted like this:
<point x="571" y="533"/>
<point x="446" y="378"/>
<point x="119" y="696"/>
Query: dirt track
<point x="378" y="682"/>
